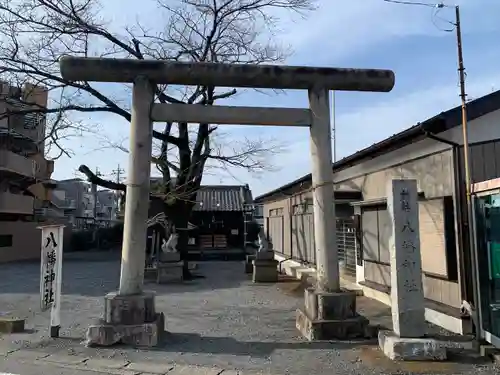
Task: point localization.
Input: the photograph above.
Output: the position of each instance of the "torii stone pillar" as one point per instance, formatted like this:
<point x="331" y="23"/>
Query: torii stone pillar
<point x="328" y="313"/>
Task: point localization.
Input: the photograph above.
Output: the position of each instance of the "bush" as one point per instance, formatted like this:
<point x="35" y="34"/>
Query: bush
<point x="81" y="240"/>
<point x="110" y="237"/>
<point x="253" y="229"/>
<point x="104" y="238"/>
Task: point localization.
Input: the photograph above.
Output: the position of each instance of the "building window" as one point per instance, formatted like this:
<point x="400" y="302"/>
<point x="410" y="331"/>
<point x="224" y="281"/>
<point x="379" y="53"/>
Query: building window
<point x="5" y="240"/>
<point x="276" y="212"/>
<point x="297" y="209"/>
<point x="437" y="236"/>
<point x="305" y="207"/>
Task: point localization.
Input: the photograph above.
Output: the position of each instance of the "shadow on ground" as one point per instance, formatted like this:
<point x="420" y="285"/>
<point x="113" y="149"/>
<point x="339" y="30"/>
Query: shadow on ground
<point x="193" y="343"/>
<point x="222" y="320"/>
<point x="96" y="273"/>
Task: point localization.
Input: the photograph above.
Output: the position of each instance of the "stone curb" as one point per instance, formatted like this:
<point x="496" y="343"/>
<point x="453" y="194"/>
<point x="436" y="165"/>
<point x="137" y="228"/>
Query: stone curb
<point x="115" y="366"/>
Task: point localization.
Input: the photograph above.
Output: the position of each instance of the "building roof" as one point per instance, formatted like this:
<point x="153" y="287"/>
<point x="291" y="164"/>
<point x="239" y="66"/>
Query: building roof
<point x="222" y="198"/>
<point x="444" y="121"/>
<point x="71" y="180"/>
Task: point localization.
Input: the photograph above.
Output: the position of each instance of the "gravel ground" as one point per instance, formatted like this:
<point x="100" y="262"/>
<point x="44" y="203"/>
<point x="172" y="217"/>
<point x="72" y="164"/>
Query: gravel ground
<point x="222" y="320"/>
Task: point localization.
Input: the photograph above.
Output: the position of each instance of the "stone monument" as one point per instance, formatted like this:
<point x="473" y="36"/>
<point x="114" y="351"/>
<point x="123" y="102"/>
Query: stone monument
<point x="265" y="267"/>
<point x="407" y="341"/>
<point x="169" y="263"/>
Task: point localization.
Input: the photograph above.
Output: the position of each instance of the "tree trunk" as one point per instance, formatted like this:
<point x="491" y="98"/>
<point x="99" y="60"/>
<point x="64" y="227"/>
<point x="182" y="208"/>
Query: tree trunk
<point x="181" y="220"/>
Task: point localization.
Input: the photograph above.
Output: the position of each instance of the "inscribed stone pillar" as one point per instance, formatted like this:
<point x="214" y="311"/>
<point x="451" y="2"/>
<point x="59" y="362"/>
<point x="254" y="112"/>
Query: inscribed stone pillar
<point x="407" y="296"/>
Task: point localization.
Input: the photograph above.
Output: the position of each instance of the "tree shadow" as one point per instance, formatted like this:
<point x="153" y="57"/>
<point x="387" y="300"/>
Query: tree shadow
<point x="95" y="278"/>
<point x="197" y="344"/>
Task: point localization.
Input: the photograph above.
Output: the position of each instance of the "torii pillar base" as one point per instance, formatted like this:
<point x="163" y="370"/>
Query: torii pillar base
<point x="130" y="320"/>
<point x="330" y="316"/>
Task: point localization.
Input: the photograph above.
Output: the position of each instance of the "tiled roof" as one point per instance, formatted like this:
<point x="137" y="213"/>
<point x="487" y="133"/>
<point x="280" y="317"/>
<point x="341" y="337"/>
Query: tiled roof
<point x="222" y="198"/>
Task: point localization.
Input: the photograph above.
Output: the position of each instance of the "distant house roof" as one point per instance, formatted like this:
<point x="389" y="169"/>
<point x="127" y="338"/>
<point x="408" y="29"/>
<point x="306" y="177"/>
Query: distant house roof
<point x="223" y="198"/>
<point x="444" y="121"/>
<point x="71" y="180"/>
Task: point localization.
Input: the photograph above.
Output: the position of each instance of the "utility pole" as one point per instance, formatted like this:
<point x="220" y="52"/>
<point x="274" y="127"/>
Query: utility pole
<point x="467" y="174"/>
<point x="463" y="97"/>
<point x="94" y="193"/>
<point x="117" y="172"/>
<point x="465" y="138"/>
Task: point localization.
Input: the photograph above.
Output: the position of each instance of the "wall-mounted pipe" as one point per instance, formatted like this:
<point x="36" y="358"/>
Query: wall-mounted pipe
<point x="468" y="291"/>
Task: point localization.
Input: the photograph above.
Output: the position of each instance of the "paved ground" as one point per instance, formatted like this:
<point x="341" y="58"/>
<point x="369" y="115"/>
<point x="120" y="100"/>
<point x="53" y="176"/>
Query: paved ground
<point x="222" y="320"/>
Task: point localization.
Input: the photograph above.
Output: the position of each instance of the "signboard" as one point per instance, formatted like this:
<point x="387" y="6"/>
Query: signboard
<point x="51" y="266"/>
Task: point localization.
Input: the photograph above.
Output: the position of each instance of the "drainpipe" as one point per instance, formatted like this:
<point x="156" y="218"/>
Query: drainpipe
<point x="463" y="228"/>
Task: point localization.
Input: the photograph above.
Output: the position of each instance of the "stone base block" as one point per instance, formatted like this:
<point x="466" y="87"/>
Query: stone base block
<point x="172" y="256"/>
<point x="265" y="271"/>
<point x="11" y="325"/>
<point x="129" y="309"/>
<point x="146" y="334"/>
<point x="150" y="273"/>
<point x="264" y="255"/>
<point x="334" y="329"/>
<point x="486" y="351"/>
<point x="329" y="305"/>
<point x="410" y="349"/>
<point x="248" y="263"/>
<point x="170" y="273"/>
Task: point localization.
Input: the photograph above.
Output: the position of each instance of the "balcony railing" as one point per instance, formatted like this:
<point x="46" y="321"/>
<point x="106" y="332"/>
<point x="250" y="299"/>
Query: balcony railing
<point x="69" y="204"/>
<point x="16" y="204"/>
<point x="12" y="162"/>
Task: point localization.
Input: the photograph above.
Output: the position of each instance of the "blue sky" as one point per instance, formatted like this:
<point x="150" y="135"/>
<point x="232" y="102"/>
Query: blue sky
<point x="341" y="33"/>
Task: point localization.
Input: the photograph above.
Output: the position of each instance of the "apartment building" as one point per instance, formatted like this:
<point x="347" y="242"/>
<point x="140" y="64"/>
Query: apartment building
<point x="107" y="205"/>
<point x="24" y="171"/>
<point x="76" y="199"/>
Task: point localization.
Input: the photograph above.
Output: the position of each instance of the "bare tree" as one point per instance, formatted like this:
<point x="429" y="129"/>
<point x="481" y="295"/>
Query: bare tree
<point x="35" y="33"/>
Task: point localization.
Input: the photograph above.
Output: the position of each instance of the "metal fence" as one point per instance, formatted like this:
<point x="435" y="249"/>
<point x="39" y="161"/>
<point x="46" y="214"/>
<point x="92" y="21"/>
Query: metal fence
<point x="301" y="246"/>
<point x="346" y="245"/>
<point x="89" y="223"/>
<point x="275" y="231"/>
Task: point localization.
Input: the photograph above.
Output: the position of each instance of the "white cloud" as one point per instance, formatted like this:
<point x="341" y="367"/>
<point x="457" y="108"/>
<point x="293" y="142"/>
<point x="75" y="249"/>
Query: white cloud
<point x="339" y="30"/>
<point x="342" y="28"/>
<point x="371" y="124"/>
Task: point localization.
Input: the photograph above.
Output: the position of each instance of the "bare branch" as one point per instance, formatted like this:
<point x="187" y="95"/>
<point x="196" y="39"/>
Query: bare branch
<point x="36" y="33"/>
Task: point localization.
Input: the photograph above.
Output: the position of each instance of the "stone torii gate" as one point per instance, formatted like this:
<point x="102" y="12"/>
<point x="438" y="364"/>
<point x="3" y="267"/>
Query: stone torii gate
<point x="130" y="315"/>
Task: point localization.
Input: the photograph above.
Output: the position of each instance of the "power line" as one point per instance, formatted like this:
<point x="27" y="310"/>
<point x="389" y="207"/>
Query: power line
<point x="430" y="5"/>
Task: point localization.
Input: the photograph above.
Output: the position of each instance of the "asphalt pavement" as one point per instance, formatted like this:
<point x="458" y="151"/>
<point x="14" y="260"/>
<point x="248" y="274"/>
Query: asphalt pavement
<point x="220" y="321"/>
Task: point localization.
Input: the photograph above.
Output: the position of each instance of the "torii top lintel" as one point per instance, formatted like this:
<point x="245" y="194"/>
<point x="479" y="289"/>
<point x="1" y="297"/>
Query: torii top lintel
<point x="226" y="75"/>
